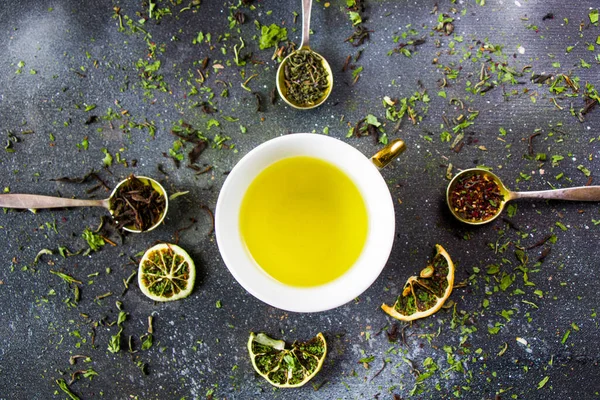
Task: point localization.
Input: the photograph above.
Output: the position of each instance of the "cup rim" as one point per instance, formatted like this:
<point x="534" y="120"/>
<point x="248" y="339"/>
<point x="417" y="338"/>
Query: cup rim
<point x="380" y="237"/>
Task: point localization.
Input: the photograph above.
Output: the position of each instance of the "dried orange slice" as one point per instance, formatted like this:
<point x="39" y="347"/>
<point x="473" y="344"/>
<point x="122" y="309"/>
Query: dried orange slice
<point x="286" y="367"/>
<point x="166" y="273"/>
<point x="425" y="294"/>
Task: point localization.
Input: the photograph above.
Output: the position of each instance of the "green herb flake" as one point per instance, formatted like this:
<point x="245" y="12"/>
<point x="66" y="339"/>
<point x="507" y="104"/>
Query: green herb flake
<point x="114" y="344"/>
<point x="65" y="277"/>
<point x="271" y="35"/>
<point x="62" y="384"/>
<point x="84" y="144"/>
<point x="41" y="253"/>
<point x="366" y="360"/>
<point x="383" y="139"/>
<point x="372" y="120"/>
<point x="494" y="330"/>
<point x="593" y="17"/>
<point x="354" y="17"/>
<point x="506" y="281"/>
<point x="583" y="169"/>
<point x="561" y="225"/>
<point x="492" y="269"/>
<point x="108" y="159"/>
<point x="147" y="343"/>
<point x="212" y="122"/>
<point x="556" y="159"/>
<point x="543" y="382"/>
<point x="93" y="240"/>
<point x="199" y="38"/>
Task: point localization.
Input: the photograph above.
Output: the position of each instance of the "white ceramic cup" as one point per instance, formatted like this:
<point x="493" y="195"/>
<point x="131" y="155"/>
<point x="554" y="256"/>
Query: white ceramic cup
<point x="380" y="210"/>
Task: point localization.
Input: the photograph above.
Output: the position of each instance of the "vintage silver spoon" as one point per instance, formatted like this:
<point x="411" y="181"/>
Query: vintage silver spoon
<point x="582" y="193"/>
<point x="34" y="201"/>
<point x="304" y="47"/>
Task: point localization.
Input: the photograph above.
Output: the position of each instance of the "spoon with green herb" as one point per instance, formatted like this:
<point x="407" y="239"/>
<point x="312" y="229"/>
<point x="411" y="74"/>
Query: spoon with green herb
<point x="304" y="78"/>
<point x="137" y="204"/>
<point x="477" y="196"/>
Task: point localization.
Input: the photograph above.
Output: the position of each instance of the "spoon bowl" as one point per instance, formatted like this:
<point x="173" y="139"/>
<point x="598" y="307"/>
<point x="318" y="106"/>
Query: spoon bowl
<point x="33" y="201"/>
<point x="281" y="81"/>
<point x="146" y="181"/>
<point x="304" y="47"/>
<point x="581" y="193"/>
<point x="485" y="174"/>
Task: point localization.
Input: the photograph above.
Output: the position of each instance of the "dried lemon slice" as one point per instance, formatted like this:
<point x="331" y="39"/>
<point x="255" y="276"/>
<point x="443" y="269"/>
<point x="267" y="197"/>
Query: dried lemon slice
<point x="166" y="273"/>
<point x="425" y="294"/>
<point x="286" y="368"/>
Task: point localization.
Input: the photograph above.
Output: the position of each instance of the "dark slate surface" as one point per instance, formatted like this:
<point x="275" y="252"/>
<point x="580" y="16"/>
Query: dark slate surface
<point x="74" y="55"/>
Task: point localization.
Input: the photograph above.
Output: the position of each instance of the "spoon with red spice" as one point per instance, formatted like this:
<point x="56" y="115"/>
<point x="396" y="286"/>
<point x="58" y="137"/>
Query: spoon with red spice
<point x="477" y="196"/>
<point x="137" y="204"/>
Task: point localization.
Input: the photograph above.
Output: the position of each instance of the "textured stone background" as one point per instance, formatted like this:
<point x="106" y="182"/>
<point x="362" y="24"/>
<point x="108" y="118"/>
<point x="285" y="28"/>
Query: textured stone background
<point x="63" y="56"/>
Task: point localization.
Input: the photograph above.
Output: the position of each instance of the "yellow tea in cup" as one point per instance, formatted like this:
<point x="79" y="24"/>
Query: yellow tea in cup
<point x="303" y="221"/>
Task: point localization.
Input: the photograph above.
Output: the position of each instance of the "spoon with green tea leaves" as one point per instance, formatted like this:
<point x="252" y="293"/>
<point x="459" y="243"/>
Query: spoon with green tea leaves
<point x="304" y="77"/>
<point x="137" y="204"/>
<point x="477" y="196"/>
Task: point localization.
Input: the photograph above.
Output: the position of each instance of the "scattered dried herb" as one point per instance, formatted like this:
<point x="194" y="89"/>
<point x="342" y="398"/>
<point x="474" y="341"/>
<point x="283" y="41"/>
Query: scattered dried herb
<point x="359" y="36"/>
<point x="271" y="35"/>
<point x="62" y="384"/>
<point x="93" y="240"/>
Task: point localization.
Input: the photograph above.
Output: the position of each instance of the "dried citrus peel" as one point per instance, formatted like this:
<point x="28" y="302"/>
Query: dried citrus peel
<point x="286" y="367"/>
<point x="166" y="273"/>
<point x="425" y="294"/>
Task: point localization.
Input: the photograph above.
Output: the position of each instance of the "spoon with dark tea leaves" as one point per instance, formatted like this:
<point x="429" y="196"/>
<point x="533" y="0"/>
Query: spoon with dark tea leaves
<point x="137" y="204"/>
<point x="304" y="78"/>
<point x="477" y="196"/>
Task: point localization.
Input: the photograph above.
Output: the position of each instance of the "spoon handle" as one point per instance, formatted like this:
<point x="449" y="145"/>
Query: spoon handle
<point x="306" y="7"/>
<point x="36" y="201"/>
<point x="582" y="193"/>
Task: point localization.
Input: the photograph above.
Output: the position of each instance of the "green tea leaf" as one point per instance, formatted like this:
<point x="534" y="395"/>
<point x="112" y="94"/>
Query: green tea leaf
<point x="271" y="35"/>
<point x="561" y="225"/>
<point x="147" y="343"/>
<point x="506" y="281"/>
<point x="62" y="384"/>
<point x="355" y="17"/>
<point x="593" y="16"/>
<point x="108" y="159"/>
<point x="93" y="240"/>
<point x="543" y="382"/>
<point x="372" y="120"/>
<point x="583" y="169"/>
